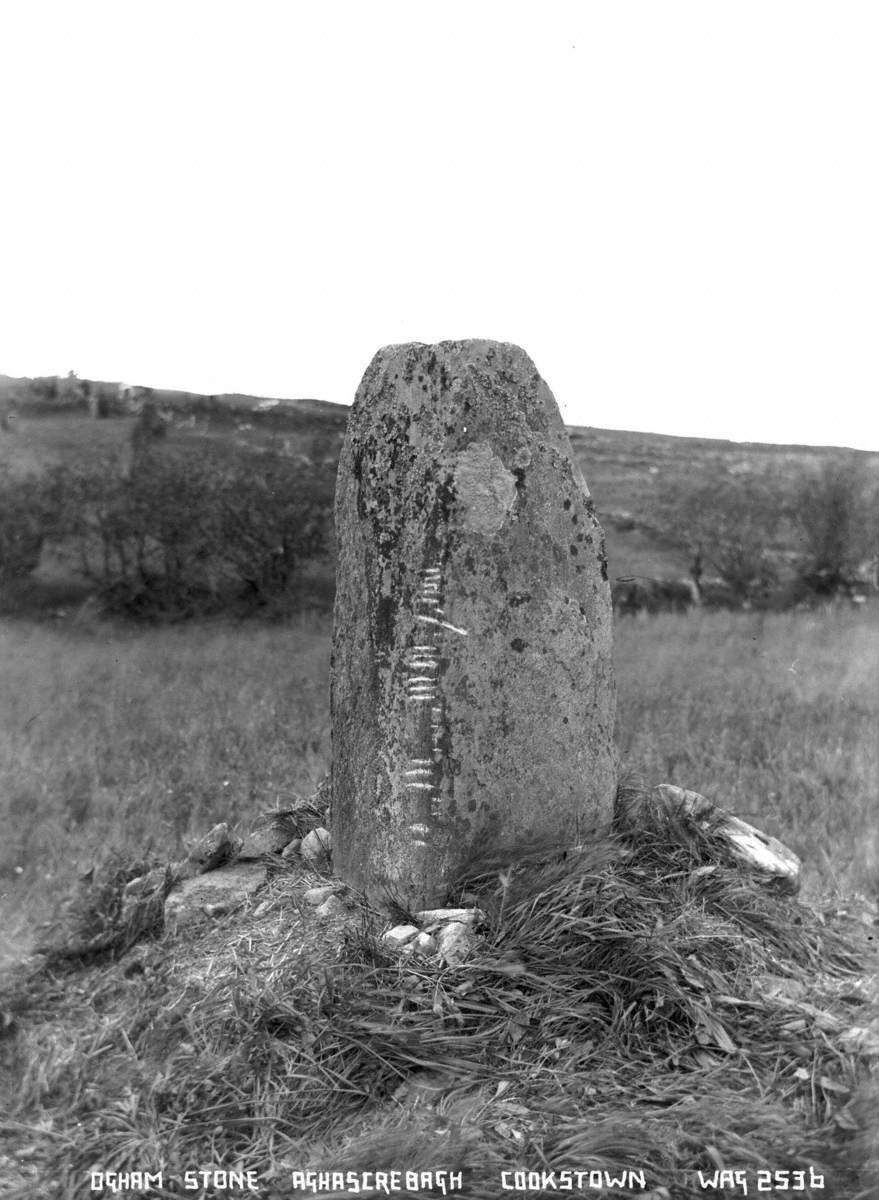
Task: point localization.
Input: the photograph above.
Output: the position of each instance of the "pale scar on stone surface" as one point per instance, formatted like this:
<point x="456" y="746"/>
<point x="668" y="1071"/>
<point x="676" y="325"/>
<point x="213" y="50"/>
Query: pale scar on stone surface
<point x="486" y="490"/>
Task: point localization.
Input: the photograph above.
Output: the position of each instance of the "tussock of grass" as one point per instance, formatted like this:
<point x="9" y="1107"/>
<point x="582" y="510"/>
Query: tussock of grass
<point x="94" y="922"/>
<point x="612" y="1018"/>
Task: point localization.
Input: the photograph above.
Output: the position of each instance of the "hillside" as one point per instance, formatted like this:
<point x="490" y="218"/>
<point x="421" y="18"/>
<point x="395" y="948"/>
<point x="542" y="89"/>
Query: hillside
<point x="624" y="470"/>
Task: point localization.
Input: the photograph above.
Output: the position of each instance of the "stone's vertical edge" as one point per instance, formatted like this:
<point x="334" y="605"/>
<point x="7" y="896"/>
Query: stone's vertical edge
<point x="472" y="688"/>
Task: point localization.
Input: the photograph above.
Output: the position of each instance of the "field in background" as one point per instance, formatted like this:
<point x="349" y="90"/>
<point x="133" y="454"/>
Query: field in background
<point x="42" y="441"/>
<point x="136" y="738"/>
<point x="624" y="470"/>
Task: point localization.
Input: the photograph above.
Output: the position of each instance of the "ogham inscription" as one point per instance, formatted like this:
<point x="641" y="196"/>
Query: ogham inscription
<point x="424" y="768"/>
<point x="471" y="686"/>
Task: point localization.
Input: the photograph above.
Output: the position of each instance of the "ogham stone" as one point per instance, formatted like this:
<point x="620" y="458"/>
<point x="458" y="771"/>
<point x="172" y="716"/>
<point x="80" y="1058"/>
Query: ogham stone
<point x="472" y="688"/>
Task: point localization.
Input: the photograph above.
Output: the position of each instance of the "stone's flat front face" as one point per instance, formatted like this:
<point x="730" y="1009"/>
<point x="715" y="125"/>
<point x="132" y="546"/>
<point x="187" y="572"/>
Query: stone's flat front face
<point x="472" y="687"/>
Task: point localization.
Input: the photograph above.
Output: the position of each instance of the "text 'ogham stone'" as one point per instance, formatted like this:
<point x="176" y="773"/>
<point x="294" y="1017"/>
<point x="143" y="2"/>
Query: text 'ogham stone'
<point x="472" y="684"/>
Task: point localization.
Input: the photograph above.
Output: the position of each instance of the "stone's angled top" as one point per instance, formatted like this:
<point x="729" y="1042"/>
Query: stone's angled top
<point x="448" y="364"/>
<point x="486" y="348"/>
<point x="475" y="395"/>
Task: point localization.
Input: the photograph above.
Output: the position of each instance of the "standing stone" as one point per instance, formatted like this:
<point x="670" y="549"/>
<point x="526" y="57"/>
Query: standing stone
<point x="472" y="689"/>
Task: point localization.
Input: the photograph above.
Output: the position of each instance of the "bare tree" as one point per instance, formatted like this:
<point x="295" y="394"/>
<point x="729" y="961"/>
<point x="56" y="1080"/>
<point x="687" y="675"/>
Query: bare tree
<point x="834" y="512"/>
<point x="727" y="524"/>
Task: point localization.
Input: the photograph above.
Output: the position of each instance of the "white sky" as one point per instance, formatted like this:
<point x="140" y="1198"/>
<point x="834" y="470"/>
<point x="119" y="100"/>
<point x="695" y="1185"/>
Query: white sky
<point x="672" y="206"/>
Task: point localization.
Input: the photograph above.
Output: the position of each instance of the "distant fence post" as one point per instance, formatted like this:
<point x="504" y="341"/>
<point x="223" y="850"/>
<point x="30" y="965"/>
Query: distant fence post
<point x="472" y="687"/>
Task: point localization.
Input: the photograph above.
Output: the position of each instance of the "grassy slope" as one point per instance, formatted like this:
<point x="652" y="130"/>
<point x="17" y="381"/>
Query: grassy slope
<point x="621" y="468"/>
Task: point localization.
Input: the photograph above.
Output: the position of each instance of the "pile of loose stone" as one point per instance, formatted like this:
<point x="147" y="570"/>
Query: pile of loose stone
<point x="221" y="873"/>
<point x="218" y="874"/>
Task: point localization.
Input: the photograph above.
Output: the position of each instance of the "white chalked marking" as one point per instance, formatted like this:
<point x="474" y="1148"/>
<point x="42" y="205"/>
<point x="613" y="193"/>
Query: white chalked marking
<point x="419" y="774"/>
<point x="442" y="624"/>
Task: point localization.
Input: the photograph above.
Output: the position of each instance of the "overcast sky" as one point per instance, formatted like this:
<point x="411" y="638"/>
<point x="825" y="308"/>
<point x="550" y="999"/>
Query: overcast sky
<point x="671" y="206"/>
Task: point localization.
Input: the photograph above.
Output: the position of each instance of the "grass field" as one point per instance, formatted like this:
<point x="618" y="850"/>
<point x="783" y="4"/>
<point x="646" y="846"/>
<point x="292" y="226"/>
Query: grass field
<point x="623" y="1010"/>
<point x="135" y="739"/>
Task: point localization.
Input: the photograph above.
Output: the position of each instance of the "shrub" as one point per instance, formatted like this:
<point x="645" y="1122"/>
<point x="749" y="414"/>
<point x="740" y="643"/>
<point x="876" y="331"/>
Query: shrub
<point x="834" y="515"/>
<point x="270" y="521"/>
<point x="23" y="522"/>
<point x="728" y="524"/>
<point x="182" y="534"/>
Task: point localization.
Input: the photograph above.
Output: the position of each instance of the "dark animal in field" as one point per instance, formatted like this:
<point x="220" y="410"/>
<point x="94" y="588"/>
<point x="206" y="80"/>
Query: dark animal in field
<point x="636" y="595"/>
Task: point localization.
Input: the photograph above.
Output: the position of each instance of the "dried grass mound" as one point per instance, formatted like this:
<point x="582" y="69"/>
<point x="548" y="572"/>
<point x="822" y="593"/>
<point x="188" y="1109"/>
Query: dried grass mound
<point x="639" y="1005"/>
<point x="101" y="918"/>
